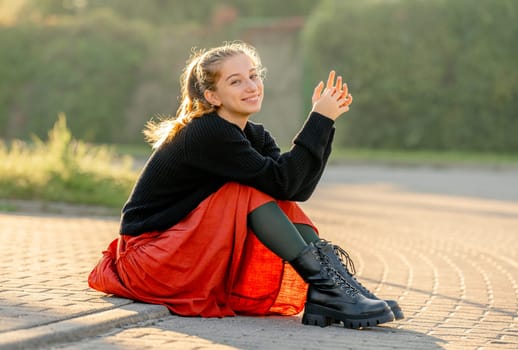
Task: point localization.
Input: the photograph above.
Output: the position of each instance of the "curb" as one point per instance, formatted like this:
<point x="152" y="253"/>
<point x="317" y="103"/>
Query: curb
<point x="80" y="327"/>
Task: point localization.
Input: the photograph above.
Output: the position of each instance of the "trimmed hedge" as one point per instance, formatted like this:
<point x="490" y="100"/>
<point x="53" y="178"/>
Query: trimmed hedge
<point x="86" y="67"/>
<point x="431" y="74"/>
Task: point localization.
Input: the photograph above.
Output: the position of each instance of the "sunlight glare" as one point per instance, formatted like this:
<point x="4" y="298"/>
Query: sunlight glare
<point x="9" y="11"/>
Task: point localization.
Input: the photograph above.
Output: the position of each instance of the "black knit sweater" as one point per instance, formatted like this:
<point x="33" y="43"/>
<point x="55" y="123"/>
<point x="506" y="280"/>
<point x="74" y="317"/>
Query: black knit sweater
<point x="209" y="152"/>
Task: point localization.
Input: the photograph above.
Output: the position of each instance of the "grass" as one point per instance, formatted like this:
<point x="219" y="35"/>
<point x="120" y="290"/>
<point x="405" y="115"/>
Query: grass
<point x="65" y="170"/>
<point x="7" y="207"/>
<point x="423" y="158"/>
<point x="379" y="156"/>
<point x="142" y="150"/>
<point x="62" y="169"/>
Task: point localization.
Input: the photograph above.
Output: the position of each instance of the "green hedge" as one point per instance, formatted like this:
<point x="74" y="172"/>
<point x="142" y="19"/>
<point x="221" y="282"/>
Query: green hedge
<point x="431" y="74"/>
<point x="85" y="67"/>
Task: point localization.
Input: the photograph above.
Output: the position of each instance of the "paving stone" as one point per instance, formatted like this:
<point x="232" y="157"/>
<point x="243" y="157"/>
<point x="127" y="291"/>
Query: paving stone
<point x="451" y="262"/>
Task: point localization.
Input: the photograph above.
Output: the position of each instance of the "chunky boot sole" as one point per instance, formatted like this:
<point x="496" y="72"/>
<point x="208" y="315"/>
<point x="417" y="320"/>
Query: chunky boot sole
<point x="317" y="315"/>
<point x="394" y="307"/>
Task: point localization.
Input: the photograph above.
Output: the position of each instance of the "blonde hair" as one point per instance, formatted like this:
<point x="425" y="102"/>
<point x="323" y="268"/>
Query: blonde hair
<point x="201" y="73"/>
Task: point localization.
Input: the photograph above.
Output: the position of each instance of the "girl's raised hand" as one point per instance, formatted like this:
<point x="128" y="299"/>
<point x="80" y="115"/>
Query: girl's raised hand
<point x="333" y="100"/>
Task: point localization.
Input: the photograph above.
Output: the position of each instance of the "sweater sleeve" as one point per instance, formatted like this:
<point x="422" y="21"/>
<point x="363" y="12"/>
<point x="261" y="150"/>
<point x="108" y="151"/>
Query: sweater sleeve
<point x="225" y="152"/>
<point x="310" y="184"/>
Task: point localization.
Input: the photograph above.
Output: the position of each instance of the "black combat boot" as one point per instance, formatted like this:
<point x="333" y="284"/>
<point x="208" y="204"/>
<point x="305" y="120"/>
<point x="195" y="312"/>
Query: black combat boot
<point x="331" y="298"/>
<point x="339" y="259"/>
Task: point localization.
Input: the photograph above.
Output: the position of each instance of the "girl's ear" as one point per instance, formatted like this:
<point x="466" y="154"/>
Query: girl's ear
<point x="212" y="98"/>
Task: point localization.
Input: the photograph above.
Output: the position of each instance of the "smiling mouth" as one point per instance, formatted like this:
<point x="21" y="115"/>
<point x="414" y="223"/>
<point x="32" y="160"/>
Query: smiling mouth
<point x="252" y="99"/>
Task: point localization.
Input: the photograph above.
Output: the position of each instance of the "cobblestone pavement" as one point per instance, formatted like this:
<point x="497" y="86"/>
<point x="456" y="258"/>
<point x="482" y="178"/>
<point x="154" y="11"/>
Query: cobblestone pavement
<point x="451" y="262"/>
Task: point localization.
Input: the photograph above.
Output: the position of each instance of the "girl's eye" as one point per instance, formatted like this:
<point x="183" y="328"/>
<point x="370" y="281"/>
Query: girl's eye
<point x="254" y="76"/>
<point x="235" y="82"/>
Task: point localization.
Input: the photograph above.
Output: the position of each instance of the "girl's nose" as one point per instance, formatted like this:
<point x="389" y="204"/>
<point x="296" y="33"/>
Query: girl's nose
<point x="251" y="85"/>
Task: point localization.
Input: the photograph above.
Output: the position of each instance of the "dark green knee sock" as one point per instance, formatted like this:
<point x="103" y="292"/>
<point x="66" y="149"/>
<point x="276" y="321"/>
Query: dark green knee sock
<point x="307" y="233"/>
<point x="275" y="230"/>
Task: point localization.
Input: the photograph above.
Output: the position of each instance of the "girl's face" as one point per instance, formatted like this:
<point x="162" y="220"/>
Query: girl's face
<point x="239" y="89"/>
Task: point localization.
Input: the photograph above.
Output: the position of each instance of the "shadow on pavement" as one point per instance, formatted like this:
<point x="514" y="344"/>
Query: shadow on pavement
<point x="273" y="332"/>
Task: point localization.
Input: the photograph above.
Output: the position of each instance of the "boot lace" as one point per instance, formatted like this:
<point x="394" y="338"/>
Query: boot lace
<point x="348" y="265"/>
<point x="337" y="278"/>
<point x="345" y="259"/>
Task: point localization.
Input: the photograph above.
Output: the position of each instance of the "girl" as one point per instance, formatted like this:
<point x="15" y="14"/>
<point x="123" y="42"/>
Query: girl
<point x="211" y="227"/>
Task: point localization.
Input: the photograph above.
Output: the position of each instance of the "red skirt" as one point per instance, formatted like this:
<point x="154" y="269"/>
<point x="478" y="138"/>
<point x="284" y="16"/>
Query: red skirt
<point x="210" y="264"/>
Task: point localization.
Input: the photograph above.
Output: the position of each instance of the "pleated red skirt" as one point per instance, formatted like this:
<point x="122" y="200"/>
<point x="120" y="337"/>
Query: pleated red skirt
<point x="210" y="264"/>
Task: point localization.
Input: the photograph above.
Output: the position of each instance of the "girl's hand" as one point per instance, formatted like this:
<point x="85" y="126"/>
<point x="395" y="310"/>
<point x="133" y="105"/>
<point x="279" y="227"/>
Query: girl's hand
<point x="332" y="101"/>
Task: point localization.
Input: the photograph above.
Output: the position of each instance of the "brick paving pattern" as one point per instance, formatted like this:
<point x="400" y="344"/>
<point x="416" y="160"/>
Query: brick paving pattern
<point x="451" y="262"/>
<point x="44" y="261"/>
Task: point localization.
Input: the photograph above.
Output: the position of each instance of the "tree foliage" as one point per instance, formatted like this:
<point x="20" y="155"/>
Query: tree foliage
<point x="109" y="66"/>
<point x="425" y="74"/>
<point x="86" y="68"/>
<point x="432" y="74"/>
<point x="173" y="11"/>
